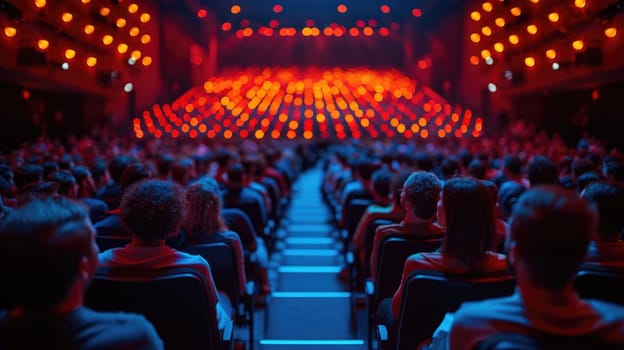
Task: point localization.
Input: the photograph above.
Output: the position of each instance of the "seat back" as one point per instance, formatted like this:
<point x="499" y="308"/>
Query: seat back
<point x="238" y="221"/>
<point x="515" y="341"/>
<point x="393" y="251"/>
<point x="252" y="209"/>
<point x="175" y="300"/>
<point x="429" y="295"/>
<point x="370" y="239"/>
<point x="354" y="210"/>
<point x="223" y="265"/>
<point x="105" y="242"/>
<point x="601" y="283"/>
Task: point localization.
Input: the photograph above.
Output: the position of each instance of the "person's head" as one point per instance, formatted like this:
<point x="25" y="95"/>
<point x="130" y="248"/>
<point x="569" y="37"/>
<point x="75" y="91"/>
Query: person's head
<point x="163" y="165"/>
<point x="542" y="171"/>
<point x="613" y="169"/>
<point x="450" y="167"/>
<point x="67" y="184"/>
<point x="152" y="210"/>
<point x="183" y="171"/>
<point x="133" y="173"/>
<point x="86" y="184"/>
<point x="607" y="197"/>
<point x="508" y="195"/>
<point x="587" y="178"/>
<point x="236" y="176"/>
<point x="45" y="247"/>
<point x="49" y="167"/>
<point x="223" y="158"/>
<point x="397" y="186"/>
<point x="549" y="234"/>
<point x="99" y="171"/>
<point x="512" y="166"/>
<point x="27" y="174"/>
<point x="203" y="208"/>
<point x="423" y="161"/>
<point x="580" y="166"/>
<point x="380" y="184"/>
<point x="117" y="166"/>
<point x="421" y="192"/>
<point x="470" y="224"/>
<point x="477" y="169"/>
<point x="37" y="190"/>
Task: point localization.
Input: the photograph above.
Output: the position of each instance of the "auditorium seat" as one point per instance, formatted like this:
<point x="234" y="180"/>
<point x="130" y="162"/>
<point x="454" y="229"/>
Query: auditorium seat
<point x="600" y="282"/>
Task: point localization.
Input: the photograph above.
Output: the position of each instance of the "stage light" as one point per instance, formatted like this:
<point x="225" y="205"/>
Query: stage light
<point x="487" y="31"/>
<point x="128" y="87"/>
<point x="500" y="22"/>
<point x="514" y="39"/>
<point x="104" y="11"/>
<point x="487" y="6"/>
<point x="85" y="1"/>
<point x="580" y="3"/>
<point x="65" y="66"/>
<point x="146" y="61"/>
<point x="531" y="29"/>
<point x="529" y="61"/>
<point x="553" y="17"/>
<point x="134" y="31"/>
<point x="122" y="48"/>
<point x="383" y="31"/>
<point x="610" y="32"/>
<point x="475" y="38"/>
<point x="107" y="39"/>
<point x="132" y="61"/>
<point x="145" y="17"/>
<point x="368" y="31"/>
<point x="474" y="60"/>
<point x="235" y="9"/>
<point x="67" y="17"/>
<point x="499" y="47"/>
<point x="70" y="54"/>
<point x="516" y="11"/>
<point x="10" y="31"/>
<point x="120" y="23"/>
<point x="354" y="31"/>
<point x="555" y="66"/>
<point x="202" y="13"/>
<point x="416" y="12"/>
<point x="136" y="54"/>
<point x="535" y="1"/>
<point x="489" y="61"/>
<point x="485" y="53"/>
<point x="551" y="53"/>
<point x="385" y="8"/>
<point x="133" y="8"/>
<point x="341" y="8"/>
<point x="89" y="29"/>
<point x="43" y="44"/>
<point x="226" y="26"/>
<point x="145" y="39"/>
<point x="277" y="8"/>
<point x="475" y="15"/>
<point x="40" y="3"/>
<point x="578" y="45"/>
<point x="91" y="61"/>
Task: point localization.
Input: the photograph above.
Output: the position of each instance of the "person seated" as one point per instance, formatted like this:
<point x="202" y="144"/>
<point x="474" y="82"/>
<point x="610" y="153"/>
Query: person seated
<point x="86" y="193"/>
<point x="359" y="187"/>
<point x="542" y="171"/>
<point x="419" y="196"/>
<point x="152" y="210"/>
<point x="549" y="234"/>
<point x="470" y="232"/>
<point x="237" y="192"/>
<point x="111" y="192"/>
<point x="606" y="247"/>
<point x="48" y="256"/>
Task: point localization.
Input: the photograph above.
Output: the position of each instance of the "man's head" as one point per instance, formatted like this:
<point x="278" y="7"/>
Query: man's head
<point x="542" y="171"/>
<point x="381" y="184"/>
<point x="67" y="185"/>
<point x="421" y="192"/>
<point x="549" y="234"/>
<point x="608" y="199"/>
<point x="512" y="167"/>
<point x="152" y="210"/>
<point x="45" y="247"/>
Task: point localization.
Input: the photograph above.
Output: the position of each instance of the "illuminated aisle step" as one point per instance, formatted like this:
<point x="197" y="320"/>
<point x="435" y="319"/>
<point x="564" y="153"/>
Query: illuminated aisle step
<point x="310" y="307"/>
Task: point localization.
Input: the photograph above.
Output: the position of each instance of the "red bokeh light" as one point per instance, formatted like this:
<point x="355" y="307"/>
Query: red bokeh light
<point x="277" y="8"/>
<point x="416" y="12"/>
<point x="385" y="8"/>
<point x="202" y="13"/>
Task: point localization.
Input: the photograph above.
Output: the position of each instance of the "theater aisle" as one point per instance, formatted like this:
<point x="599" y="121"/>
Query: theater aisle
<point x="309" y="307"/>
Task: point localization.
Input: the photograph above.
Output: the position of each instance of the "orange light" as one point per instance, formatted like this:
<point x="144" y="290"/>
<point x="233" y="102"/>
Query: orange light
<point x="529" y="61"/>
<point x="368" y="31"/>
<point x="226" y="26"/>
<point x="474" y="60"/>
<point x="235" y="9"/>
<point x="342" y="8"/>
<point x="145" y="17"/>
<point x="328" y="31"/>
<point x="610" y="32"/>
<point x="514" y="39"/>
<point x="580" y="3"/>
<point x="500" y="22"/>
<point x="43" y="44"/>
<point x="499" y="47"/>
<point x="136" y="54"/>
<point x="487" y="31"/>
<point x="121" y="22"/>
<point x="146" y="38"/>
<point x="475" y="38"/>
<point x="104" y="11"/>
<point x="134" y="31"/>
<point x="69" y="54"/>
<point x="578" y="45"/>
<point x="122" y="48"/>
<point x="516" y="11"/>
<point x="67" y="17"/>
<point x="85" y="1"/>
<point x="553" y="17"/>
<point x="535" y="1"/>
<point x="475" y="15"/>
<point x="487" y="6"/>
<point x="531" y="29"/>
<point x="133" y="8"/>
<point x="40" y="3"/>
<point x="550" y="53"/>
<point x="10" y="31"/>
<point x="107" y="39"/>
<point x="385" y="8"/>
<point x="89" y="29"/>
<point x="485" y="54"/>
<point x="91" y="61"/>
<point x="147" y="60"/>
<point x="354" y="31"/>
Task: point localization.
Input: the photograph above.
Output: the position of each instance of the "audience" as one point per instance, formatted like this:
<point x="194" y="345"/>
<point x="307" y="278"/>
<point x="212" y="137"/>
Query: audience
<point x="48" y="256"/>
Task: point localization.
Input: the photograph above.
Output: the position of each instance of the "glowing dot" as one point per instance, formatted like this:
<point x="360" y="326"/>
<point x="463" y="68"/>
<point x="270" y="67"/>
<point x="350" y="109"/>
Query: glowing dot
<point x="555" y="66"/>
<point x="475" y="15"/>
<point x="202" y="13"/>
<point x="136" y="54"/>
<point x="145" y="17"/>
<point x="91" y="61"/>
<point x="146" y="38"/>
<point x="277" y="8"/>
<point x="104" y="11"/>
<point x="147" y="60"/>
<point x="416" y="12"/>
<point x="578" y="45"/>
<point x="516" y="11"/>
<point x="580" y="3"/>
<point x="487" y="31"/>
<point x="499" y="47"/>
<point x="474" y="60"/>
<point x="10" y="31"/>
<point x="610" y="32"/>
<point x="134" y="31"/>
<point x="107" y="39"/>
<point x="69" y="54"/>
<point x="67" y="17"/>
<point x="122" y="48"/>
<point x="128" y="87"/>
<point x="89" y="29"/>
<point x="133" y="8"/>
<point x="342" y="8"/>
<point x="259" y="134"/>
<point x="492" y="87"/>
<point x="235" y="9"/>
<point x="550" y="53"/>
<point x="485" y="54"/>
<point x="40" y="3"/>
<point x="385" y="8"/>
<point x="529" y="61"/>
<point x="531" y="29"/>
<point x="514" y="39"/>
<point x="553" y="17"/>
<point x="43" y="44"/>
<point x="487" y="6"/>
<point x="85" y="1"/>
<point x="65" y="66"/>
<point x="121" y="22"/>
<point x="500" y="22"/>
<point x="226" y="26"/>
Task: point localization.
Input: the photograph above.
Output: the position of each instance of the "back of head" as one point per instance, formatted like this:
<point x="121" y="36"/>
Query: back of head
<point x="182" y="171"/>
<point x="382" y="179"/>
<point x="66" y="182"/>
<point x="587" y="178"/>
<point x="365" y="168"/>
<point x="477" y="169"/>
<point x="581" y="166"/>
<point x="235" y="174"/>
<point x="450" y="167"/>
<point x="41" y="246"/>
<point x="397" y="185"/>
<point x="133" y="173"/>
<point x="152" y="209"/>
<point x="203" y="208"/>
<point x="49" y="167"/>
<point x="164" y="164"/>
<point x="513" y="165"/>
<point x="469" y="212"/>
<point x="608" y="199"/>
<point x="614" y="169"/>
<point x="27" y="174"/>
<point x="542" y="171"/>
<point x="422" y="191"/>
<point x="117" y="165"/>
<point x="37" y="190"/>
<point x="508" y="195"/>
<point x="223" y="158"/>
<point x="423" y="161"/>
<point x="550" y="230"/>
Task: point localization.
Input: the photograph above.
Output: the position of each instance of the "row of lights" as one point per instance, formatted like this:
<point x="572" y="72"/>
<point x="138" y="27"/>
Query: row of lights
<point x="309" y="31"/>
<point x="341" y="8"/>
<point x="289" y="103"/>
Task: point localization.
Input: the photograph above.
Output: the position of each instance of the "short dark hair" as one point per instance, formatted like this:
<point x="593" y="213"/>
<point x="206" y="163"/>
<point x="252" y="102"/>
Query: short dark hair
<point x="607" y="197"/>
<point x="542" y="171"/>
<point x="513" y="164"/>
<point x="477" y="169"/>
<point x="587" y="178"/>
<point x="551" y="228"/>
<point x="508" y="195"/>
<point x="470" y="222"/>
<point x="382" y="180"/>
<point x="423" y="161"/>
<point x="422" y="190"/>
<point x="581" y="166"/>
<point x="41" y="245"/>
<point x="450" y="167"/>
<point x="164" y="164"/>
<point x="117" y="166"/>
<point x="133" y="173"/>
<point x="152" y="209"/>
<point x="27" y="174"/>
<point x="65" y="181"/>
<point x="37" y="190"/>
<point x="81" y="172"/>
<point x="397" y="185"/>
<point x="614" y="168"/>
